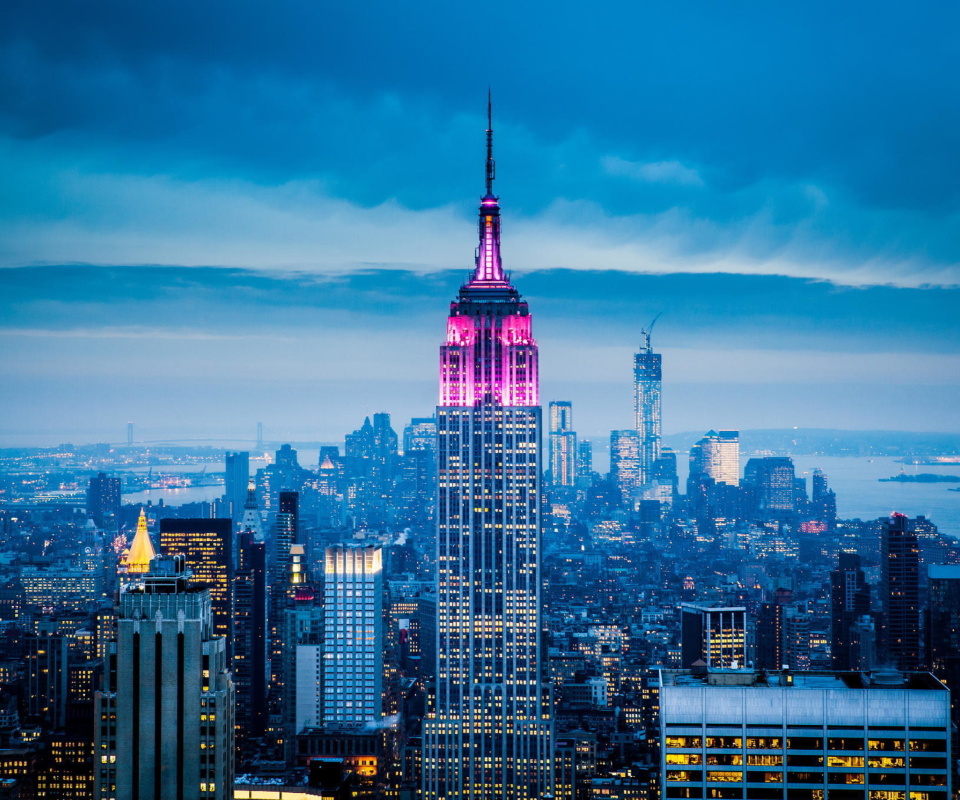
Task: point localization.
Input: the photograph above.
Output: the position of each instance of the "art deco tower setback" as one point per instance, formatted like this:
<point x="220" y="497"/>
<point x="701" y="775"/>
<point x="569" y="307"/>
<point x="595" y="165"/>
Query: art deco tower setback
<point x="488" y="734"/>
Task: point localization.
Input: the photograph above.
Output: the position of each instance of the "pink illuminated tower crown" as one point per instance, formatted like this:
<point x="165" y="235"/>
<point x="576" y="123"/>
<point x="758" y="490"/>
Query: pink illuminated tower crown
<point x="490" y="355"/>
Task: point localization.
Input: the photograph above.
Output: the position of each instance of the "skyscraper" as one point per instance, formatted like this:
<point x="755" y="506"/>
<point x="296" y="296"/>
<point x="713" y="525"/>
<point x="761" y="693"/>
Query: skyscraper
<point x="236" y="478"/>
<point x="850" y="600"/>
<point x="563" y="444"/>
<point x="250" y="635"/>
<point x="943" y="626"/>
<point x="647" y="377"/>
<point x="207" y="546"/>
<point x="488" y="734"/>
<point x="284" y="536"/>
<point x="770" y="487"/>
<point x="625" y="462"/>
<point x="103" y="499"/>
<point x="352" y="674"/>
<point x="901" y="593"/>
<point x="165" y="717"/>
<point x="717" y="455"/>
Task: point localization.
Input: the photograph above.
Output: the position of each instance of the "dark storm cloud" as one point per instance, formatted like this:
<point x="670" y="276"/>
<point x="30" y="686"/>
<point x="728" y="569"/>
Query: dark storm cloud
<point x="826" y="131"/>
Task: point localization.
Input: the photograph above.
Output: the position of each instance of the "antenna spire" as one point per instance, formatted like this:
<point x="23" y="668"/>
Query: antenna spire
<point x="491" y="164"/>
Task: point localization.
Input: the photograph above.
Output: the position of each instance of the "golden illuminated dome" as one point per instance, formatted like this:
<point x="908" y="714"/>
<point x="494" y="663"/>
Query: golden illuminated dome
<point x="141" y="551"/>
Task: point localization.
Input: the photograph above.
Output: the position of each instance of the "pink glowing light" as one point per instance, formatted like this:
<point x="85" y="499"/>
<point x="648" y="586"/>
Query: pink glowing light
<point x="489" y="359"/>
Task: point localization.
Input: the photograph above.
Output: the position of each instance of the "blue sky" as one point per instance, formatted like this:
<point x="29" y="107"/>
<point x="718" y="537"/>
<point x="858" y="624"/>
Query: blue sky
<point x="219" y="213"/>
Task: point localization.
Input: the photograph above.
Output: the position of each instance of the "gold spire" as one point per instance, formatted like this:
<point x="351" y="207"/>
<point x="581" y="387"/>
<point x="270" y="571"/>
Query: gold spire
<point x="141" y="551"/>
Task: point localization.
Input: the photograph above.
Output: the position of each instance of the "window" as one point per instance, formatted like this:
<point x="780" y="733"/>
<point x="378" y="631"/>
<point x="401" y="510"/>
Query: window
<point x="845" y="761"/>
<point x="684" y="758"/>
<point x="684" y="741"/>
<point x="724" y="776"/>
<point x="804" y="743"/>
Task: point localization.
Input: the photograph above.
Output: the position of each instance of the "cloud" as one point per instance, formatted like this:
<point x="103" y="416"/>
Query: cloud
<point x="653" y="171"/>
<point x="77" y="214"/>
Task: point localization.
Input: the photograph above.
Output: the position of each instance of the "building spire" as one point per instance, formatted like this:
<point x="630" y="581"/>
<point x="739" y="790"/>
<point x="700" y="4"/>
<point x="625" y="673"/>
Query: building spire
<point x="141" y="551"/>
<point x="489" y="270"/>
<point x="491" y="164"/>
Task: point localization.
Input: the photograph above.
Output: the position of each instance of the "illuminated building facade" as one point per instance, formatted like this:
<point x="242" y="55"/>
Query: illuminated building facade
<point x="625" y="462"/>
<point x="804" y="735"/>
<point x="563" y="444"/>
<point x="488" y="732"/>
<point x="207" y="547"/>
<point x="717" y="455"/>
<point x="715" y="636"/>
<point x="647" y="379"/>
<point x="165" y="717"/>
<point x="353" y="667"/>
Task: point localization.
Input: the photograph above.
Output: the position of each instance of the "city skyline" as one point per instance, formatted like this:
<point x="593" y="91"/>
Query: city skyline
<point x="174" y="205"/>
<point x="416" y="583"/>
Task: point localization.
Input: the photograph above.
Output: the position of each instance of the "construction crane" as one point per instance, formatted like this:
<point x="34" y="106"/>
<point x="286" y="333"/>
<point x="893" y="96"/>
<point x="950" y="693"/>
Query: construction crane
<point x="649" y="330"/>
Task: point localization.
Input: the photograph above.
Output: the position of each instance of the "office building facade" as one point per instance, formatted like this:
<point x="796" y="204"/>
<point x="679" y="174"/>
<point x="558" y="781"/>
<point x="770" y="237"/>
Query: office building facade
<point x="353" y="638"/>
<point x="715" y="636"/>
<point x="804" y="736"/>
<point x="563" y="444"/>
<point x="207" y="546"/>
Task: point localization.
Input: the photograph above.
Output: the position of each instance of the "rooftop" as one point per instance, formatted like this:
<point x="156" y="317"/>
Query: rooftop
<point x="763" y="679"/>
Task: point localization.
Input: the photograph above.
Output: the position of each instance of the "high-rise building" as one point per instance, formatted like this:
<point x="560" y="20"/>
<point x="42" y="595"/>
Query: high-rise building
<point x="420" y="434"/>
<point x="823" y="500"/>
<point x="563" y="444"/>
<point x="771" y="650"/>
<point x="284" y="536"/>
<point x="236" y="481"/>
<point x="849" y="601"/>
<point x="584" y="464"/>
<point x="46" y="678"/>
<point x="804" y="735"/>
<point x="250" y="635"/>
<point x="901" y="593"/>
<point x="647" y="377"/>
<point x="715" y="636"/>
<point x="103" y="499"/>
<point x="943" y="626"/>
<point x="353" y="669"/>
<point x="165" y="724"/>
<point x="488" y="732"/>
<point x="717" y="455"/>
<point x="770" y="484"/>
<point x="207" y="547"/>
<point x="625" y="463"/>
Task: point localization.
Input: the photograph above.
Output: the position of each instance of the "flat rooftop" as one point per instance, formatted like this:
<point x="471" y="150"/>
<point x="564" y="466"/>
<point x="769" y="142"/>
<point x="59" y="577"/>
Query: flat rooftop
<point x="764" y="679"/>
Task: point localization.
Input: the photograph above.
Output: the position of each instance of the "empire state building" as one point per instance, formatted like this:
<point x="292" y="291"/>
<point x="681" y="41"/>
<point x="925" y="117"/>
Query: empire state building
<point x="488" y="734"/>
